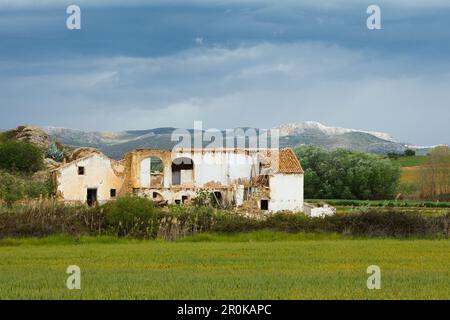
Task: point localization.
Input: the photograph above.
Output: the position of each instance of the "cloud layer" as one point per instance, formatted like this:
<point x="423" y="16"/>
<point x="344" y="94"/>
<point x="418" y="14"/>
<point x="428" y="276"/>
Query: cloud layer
<point x="228" y="63"/>
<point x="262" y="85"/>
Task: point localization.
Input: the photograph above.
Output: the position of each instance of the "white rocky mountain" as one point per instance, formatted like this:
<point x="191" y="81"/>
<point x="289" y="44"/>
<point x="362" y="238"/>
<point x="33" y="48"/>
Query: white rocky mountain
<point x="293" y="134"/>
<point x="298" y="128"/>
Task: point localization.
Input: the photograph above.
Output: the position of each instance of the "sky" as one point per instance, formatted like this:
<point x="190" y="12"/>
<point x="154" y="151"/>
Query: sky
<point x="145" y="64"/>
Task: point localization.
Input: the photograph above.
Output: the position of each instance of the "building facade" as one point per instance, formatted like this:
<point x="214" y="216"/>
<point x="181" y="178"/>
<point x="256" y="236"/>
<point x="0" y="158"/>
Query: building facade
<point x="269" y="180"/>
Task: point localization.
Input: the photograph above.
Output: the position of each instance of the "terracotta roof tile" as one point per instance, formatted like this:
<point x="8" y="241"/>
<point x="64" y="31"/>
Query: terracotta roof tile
<point x="288" y="162"/>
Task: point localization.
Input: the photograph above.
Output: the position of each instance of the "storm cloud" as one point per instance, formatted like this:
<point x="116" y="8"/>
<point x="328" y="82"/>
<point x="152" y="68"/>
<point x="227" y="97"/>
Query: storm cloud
<point x="257" y="64"/>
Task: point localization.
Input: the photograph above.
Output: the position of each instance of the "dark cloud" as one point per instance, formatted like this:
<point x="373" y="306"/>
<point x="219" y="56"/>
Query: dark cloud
<point x="259" y="63"/>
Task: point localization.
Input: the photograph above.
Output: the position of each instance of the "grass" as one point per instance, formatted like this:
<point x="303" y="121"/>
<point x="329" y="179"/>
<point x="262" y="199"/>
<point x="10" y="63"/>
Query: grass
<point x="263" y="235"/>
<point x="423" y="207"/>
<point x="259" y="265"/>
<point x="411" y="161"/>
<point x="382" y="203"/>
<point x="62" y="239"/>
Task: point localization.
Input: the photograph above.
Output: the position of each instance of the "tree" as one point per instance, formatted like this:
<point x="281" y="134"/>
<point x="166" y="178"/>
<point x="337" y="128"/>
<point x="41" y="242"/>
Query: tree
<point x="410" y="153"/>
<point x="435" y="175"/>
<point x="21" y="157"/>
<point x="342" y="174"/>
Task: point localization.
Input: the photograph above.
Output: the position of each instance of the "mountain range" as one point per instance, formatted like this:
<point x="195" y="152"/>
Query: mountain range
<point x="115" y="144"/>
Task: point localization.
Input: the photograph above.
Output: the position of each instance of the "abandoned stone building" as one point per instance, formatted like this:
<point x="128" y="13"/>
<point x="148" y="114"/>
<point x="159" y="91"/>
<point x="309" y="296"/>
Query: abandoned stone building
<point x="270" y="180"/>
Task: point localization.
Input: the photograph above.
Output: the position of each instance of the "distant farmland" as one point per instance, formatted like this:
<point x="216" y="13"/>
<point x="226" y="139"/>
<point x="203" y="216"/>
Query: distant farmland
<point x="411" y="167"/>
<point x="414" y="161"/>
<point x="411" y="174"/>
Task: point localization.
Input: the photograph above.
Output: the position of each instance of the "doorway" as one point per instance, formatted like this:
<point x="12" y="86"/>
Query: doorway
<point x="218" y="198"/>
<point x="91" y="197"/>
<point x="264" y="205"/>
<point x="182" y="171"/>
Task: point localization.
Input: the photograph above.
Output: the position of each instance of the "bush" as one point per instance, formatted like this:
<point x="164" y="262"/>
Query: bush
<point x="55" y="153"/>
<point x="10" y="189"/>
<point x="410" y="152"/>
<point x="21" y="157"/>
<point x="233" y="223"/>
<point x="181" y="221"/>
<point x="132" y="216"/>
<point x="13" y="188"/>
<point x="204" y="198"/>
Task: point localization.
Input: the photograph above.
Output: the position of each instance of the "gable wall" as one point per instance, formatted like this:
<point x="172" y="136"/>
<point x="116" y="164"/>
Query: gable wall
<point x="100" y="173"/>
<point x="286" y="192"/>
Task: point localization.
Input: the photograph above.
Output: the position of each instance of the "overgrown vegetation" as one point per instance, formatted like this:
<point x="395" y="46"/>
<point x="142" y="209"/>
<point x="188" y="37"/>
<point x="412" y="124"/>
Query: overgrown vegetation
<point x="20" y="157"/>
<point x="19" y="161"/>
<point x="17" y="187"/>
<point x="55" y="152"/>
<point x="137" y="218"/>
<point x="342" y="174"/>
<point x="132" y="216"/>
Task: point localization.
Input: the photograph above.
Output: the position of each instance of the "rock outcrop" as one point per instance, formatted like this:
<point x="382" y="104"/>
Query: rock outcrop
<point x="33" y="135"/>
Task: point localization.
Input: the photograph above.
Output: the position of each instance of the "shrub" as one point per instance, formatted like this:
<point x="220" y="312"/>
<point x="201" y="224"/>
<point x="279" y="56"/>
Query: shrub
<point x="204" y="198"/>
<point x="55" y="153"/>
<point x="132" y="216"/>
<point x="13" y="188"/>
<point x="372" y="223"/>
<point x="20" y="156"/>
<point x="233" y="223"/>
<point x="392" y="223"/>
<point x="181" y="221"/>
<point x="47" y="217"/>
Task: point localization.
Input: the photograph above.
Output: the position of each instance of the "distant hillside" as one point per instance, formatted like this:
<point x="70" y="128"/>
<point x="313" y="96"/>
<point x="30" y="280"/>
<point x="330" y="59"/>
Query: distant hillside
<point x="115" y="144"/>
<point x="299" y="128"/>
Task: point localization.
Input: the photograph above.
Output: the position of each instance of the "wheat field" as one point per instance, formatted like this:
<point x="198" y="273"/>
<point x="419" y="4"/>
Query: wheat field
<point x="261" y="265"/>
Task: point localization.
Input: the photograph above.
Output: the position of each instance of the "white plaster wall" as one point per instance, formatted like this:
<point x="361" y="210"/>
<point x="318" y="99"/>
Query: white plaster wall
<point x="239" y="196"/>
<point x="98" y="174"/>
<point x="286" y="192"/>
<point x="220" y="167"/>
<point x="186" y="176"/>
<point x="145" y="173"/>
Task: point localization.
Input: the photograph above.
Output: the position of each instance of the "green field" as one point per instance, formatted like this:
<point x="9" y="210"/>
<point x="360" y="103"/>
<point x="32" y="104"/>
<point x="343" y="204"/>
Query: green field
<point x="423" y="207"/>
<point x="411" y="161"/>
<point x="261" y="265"/>
<point x="383" y="203"/>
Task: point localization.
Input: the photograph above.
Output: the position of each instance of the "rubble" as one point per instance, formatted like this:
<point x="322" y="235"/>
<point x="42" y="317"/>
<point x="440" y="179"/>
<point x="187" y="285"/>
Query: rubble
<point x="81" y="153"/>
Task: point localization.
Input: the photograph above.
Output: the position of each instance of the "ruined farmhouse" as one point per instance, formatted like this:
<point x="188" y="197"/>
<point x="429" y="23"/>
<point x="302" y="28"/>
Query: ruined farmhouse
<point x="269" y="179"/>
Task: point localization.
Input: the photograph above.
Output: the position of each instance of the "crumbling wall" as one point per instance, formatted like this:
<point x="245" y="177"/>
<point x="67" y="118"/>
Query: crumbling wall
<point x="100" y="173"/>
<point x="240" y="177"/>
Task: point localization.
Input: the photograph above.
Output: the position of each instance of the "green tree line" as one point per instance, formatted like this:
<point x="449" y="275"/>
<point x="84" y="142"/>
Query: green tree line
<point x="342" y="174"/>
